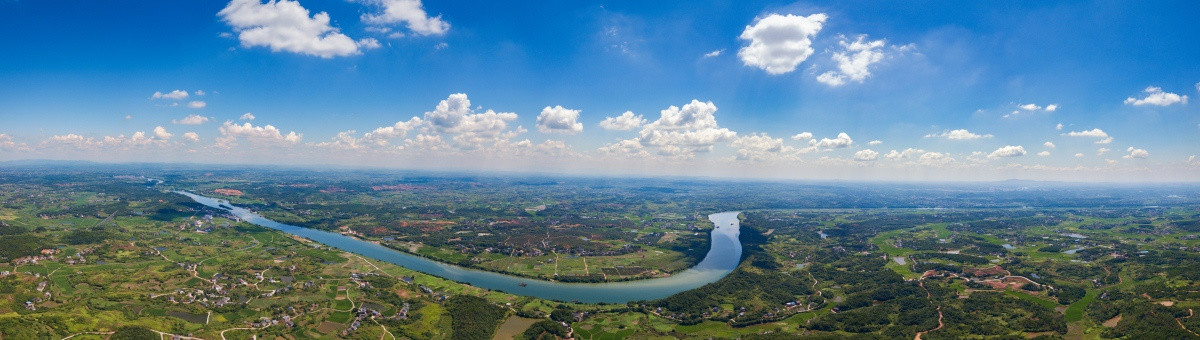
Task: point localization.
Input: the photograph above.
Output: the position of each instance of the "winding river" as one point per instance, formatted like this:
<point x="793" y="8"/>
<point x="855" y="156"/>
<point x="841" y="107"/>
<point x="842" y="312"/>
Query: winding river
<point x="722" y="258"/>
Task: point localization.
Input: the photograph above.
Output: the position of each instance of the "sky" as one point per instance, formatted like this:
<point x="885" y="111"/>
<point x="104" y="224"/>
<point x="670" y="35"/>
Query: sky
<point x="843" y="90"/>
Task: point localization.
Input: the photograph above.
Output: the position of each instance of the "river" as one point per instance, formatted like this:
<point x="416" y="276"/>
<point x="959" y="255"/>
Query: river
<point x="722" y="258"/>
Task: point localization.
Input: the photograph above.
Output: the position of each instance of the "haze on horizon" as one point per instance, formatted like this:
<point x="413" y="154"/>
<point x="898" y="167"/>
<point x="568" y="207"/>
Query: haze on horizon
<point x="1079" y="91"/>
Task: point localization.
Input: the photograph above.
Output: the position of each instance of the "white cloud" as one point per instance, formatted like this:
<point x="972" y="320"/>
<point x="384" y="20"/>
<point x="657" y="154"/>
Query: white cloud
<point x="682" y="132"/>
<point x="161" y="133"/>
<point x="285" y="25"/>
<point x="803" y="136"/>
<point x="174" y="95"/>
<point x="1049" y="144"/>
<point x="409" y="12"/>
<point x="715" y="53"/>
<point x="842" y="141"/>
<point x="1102" y="137"/>
<point x="625" y="122"/>
<point x="1025" y="109"/>
<point x="875" y="142"/>
<point x="192" y="119"/>
<point x="906" y="154"/>
<point x="160" y="137"/>
<point x="247" y="116"/>
<point x="1043" y="153"/>
<point x="7" y="143"/>
<point x="1102" y="151"/>
<point x="1078" y="154"/>
<point x="128" y="116"/>
<point x="1156" y="96"/>
<point x="191" y="136"/>
<point x="759" y="146"/>
<point x="264" y="135"/>
<point x="197" y="104"/>
<point x="1008" y="151"/>
<point x="854" y="61"/>
<point x="959" y="134"/>
<point x="1058" y="127"/>
<point x="627" y="147"/>
<point x="558" y="119"/>
<point x="866" y="155"/>
<point x="399" y="129"/>
<point x="469" y="130"/>
<point x="1137" y="153"/>
<point x="200" y="92"/>
<point x="935" y="159"/>
<point x="779" y="43"/>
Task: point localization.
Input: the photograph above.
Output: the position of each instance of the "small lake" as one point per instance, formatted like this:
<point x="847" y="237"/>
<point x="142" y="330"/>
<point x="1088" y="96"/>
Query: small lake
<point x="723" y="256"/>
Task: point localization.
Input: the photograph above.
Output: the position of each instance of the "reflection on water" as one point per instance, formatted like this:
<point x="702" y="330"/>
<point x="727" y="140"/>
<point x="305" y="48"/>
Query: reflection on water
<point x="722" y="258"/>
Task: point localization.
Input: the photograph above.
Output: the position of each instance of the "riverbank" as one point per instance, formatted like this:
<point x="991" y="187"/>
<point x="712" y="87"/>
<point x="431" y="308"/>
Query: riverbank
<point x="723" y="256"/>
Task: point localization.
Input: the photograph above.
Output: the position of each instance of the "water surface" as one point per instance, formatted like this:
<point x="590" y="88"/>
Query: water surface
<point x="722" y="258"/>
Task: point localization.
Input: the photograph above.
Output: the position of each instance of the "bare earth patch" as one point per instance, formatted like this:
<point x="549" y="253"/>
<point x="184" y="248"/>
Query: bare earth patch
<point x="1110" y="323"/>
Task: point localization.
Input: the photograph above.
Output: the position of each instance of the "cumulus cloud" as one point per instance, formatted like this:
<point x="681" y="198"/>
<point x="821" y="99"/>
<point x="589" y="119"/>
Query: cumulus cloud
<point x="261" y="135"/>
<point x="906" y="154"/>
<point x="192" y="119"/>
<point x="284" y="25"/>
<point x="1024" y="109"/>
<point x="173" y="95"/>
<point x="778" y="43"/>
<point x="842" y="141"/>
<point x="759" y="146"/>
<point x="247" y="116"/>
<point x="1136" y="153"/>
<point x="558" y="119"/>
<point x="197" y="104"/>
<point x="803" y="136"/>
<point x="1058" y="127"/>
<point x="914" y="156"/>
<point x="191" y="136"/>
<point x="467" y="129"/>
<point x="627" y="147"/>
<point x="1155" y="96"/>
<point x="159" y="137"/>
<point x="161" y="133"/>
<point x="1008" y="151"/>
<point x="1078" y="154"/>
<point x="683" y="131"/>
<point x="875" y="142"/>
<point x="380" y="137"/>
<point x="935" y="159"/>
<point x="866" y="155"/>
<point x="407" y="12"/>
<point x="854" y="61"/>
<point x="959" y="134"/>
<point x="625" y="122"/>
<point x="1049" y="144"/>
<point x="7" y="143"/>
<point x="1043" y="153"/>
<point x="1100" y="135"/>
<point x="1102" y="151"/>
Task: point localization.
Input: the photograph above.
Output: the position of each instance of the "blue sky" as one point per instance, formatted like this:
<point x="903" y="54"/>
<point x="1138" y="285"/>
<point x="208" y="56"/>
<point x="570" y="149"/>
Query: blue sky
<point x="947" y="91"/>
